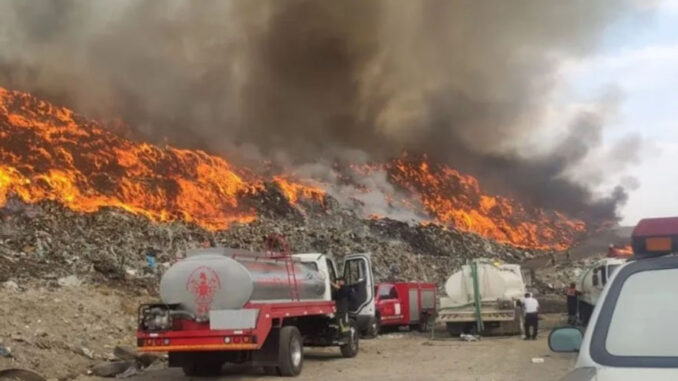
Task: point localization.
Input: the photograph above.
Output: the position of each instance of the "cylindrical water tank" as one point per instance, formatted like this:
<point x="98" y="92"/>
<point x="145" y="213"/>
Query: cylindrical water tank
<point x="494" y="282"/>
<point x="205" y="282"/>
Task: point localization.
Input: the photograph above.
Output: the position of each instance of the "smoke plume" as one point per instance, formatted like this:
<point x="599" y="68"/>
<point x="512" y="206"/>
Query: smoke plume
<point x="464" y="81"/>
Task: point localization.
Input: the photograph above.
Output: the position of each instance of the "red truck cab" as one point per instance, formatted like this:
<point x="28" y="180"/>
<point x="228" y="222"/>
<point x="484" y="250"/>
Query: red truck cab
<point x="410" y="304"/>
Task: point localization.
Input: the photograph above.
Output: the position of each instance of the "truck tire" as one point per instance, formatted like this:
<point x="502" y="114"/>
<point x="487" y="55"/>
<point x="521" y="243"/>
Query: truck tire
<point x="352" y="346"/>
<point x="373" y="327"/>
<point x="290" y="352"/>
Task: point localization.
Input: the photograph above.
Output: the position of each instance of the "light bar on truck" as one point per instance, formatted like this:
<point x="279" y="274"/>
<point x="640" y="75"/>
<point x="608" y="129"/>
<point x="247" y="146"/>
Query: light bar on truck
<point x="655" y="236"/>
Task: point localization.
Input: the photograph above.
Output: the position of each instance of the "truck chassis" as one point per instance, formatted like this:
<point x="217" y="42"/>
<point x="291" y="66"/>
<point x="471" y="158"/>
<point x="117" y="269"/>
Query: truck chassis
<point x="275" y="341"/>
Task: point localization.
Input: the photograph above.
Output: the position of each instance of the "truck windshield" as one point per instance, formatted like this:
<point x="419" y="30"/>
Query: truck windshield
<point x="644" y="316"/>
<point x="387" y="291"/>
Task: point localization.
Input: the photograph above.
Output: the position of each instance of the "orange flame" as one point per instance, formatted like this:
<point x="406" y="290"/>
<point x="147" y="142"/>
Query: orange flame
<point x="456" y="199"/>
<point x="293" y="191"/>
<point x="51" y="153"/>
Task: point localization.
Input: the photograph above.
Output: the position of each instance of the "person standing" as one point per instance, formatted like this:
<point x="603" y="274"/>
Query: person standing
<point x="531" y="307"/>
<point x="572" y="303"/>
<point x="341" y="294"/>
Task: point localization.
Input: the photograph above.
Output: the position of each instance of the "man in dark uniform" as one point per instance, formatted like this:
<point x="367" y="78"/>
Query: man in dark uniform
<point x="341" y="295"/>
<point x="572" y="303"/>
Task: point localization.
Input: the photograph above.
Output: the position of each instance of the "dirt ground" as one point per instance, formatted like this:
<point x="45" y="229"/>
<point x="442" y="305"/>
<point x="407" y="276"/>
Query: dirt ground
<point x="409" y="356"/>
<point x="62" y="332"/>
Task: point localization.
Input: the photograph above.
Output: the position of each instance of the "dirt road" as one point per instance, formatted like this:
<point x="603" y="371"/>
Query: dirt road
<point x="409" y="356"/>
<point x="62" y="332"/>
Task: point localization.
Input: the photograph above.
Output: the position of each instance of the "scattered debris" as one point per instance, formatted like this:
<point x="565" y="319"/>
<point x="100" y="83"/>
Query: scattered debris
<point x="10" y="285"/>
<point x="131" y="371"/>
<point x="468" y="337"/>
<point x="113" y="245"/>
<point x="82" y="350"/>
<point x="69" y="281"/>
<point x="125" y="353"/>
<point x="537" y="360"/>
<point x="5" y="351"/>
<point x="20" y="374"/>
<point x="112" y="369"/>
<point x="127" y="363"/>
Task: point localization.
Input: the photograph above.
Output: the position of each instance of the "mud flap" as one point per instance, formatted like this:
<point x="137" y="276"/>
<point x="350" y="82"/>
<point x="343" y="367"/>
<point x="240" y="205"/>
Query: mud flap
<point x="268" y="354"/>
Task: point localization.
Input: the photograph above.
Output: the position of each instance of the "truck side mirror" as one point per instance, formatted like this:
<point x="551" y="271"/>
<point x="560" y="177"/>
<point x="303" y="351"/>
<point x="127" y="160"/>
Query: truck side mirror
<point x="565" y="340"/>
<point x="596" y="280"/>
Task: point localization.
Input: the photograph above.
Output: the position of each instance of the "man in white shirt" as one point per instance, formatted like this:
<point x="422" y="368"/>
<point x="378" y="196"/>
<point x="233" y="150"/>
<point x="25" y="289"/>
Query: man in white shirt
<point x="531" y="307"/>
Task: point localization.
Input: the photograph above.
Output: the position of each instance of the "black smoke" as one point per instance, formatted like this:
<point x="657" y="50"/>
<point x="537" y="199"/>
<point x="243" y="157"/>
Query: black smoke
<point x="464" y="81"/>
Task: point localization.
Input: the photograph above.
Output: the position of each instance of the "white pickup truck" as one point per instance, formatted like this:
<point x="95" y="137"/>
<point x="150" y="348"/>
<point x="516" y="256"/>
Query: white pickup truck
<point x="632" y="333"/>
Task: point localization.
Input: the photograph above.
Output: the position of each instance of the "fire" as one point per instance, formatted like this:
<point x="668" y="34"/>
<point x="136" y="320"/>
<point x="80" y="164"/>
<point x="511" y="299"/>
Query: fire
<point x="620" y="252"/>
<point x="455" y="199"/>
<point x="52" y="153"/>
<point x="294" y="191"/>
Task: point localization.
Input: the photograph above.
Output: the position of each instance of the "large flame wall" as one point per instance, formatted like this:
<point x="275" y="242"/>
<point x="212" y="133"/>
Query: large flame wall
<point x="51" y="153"/>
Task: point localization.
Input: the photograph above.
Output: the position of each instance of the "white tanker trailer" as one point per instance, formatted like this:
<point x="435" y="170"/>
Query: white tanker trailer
<point x="482" y="297"/>
<point x="215" y="280"/>
<point x="222" y="305"/>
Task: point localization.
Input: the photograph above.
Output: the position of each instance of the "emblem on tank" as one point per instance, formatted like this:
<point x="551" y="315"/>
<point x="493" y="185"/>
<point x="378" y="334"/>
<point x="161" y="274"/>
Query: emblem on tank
<point x="203" y="282"/>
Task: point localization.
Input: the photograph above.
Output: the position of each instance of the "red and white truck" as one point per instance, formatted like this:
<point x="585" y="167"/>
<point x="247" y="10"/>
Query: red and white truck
<point x="231" y="306"/>
<point x="406" y="304"/>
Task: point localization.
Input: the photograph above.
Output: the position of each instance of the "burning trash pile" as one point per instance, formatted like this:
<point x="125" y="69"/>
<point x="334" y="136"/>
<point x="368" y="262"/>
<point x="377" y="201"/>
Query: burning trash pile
<point x="81" y="206"/>
<point x="50" y="242"/>
<point x="80" y="200"/>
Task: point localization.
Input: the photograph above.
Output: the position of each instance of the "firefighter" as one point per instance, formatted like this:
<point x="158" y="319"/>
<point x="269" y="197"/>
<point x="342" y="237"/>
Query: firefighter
<point x="341" y="295"/>
<point x="572" y="303"/>
<point x="531" y="308"/>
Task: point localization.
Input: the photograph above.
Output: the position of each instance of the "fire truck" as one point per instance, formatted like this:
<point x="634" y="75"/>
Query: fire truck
<point x="406" y="304"/>
<point x="222" y="305"/>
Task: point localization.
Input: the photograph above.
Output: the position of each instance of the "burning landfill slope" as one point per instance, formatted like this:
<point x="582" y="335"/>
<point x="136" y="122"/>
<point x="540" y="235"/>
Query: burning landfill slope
<point x="466" y="82"/>
<point x="79" y="199"/>
<point x="51" y="153"/>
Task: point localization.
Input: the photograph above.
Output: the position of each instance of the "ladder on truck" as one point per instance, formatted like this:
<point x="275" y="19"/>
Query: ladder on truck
<point x="279" y="249"/>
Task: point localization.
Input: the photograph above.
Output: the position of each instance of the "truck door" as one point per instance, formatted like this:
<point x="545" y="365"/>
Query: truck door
<point x="358" y="276"/>
<point x="389" y="306"/>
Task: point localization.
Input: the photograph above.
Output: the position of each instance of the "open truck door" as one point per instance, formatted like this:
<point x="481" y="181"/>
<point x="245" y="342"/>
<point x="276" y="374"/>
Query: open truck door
<point x="360" y="280"/>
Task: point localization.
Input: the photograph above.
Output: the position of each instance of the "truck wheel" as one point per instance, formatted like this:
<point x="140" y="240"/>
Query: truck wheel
<point x="373" y="327"/>
<point x="350" y="349"/>
<point x="290" y="352"/>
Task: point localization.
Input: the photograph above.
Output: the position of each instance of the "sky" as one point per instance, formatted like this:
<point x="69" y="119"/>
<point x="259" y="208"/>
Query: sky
<point x="640" y="67"/>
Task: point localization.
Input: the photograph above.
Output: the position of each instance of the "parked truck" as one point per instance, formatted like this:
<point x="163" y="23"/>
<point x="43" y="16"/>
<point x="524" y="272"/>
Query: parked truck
<point x="592" y="282"/>
<point x="221" y="305"/>
<point x="409" y="304"/>
<point x="483" y="297"/>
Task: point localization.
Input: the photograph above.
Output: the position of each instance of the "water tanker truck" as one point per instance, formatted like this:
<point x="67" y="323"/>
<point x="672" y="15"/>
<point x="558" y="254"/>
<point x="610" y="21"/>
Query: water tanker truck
<point x="222" y="305"/>
<point x="482" y="297"/>
<point x="592" y="282"/>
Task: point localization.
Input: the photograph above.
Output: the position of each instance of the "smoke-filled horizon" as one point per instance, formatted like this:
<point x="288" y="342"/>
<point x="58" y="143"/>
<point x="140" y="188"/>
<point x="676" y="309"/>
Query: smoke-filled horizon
<point x="300" y="81"/>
